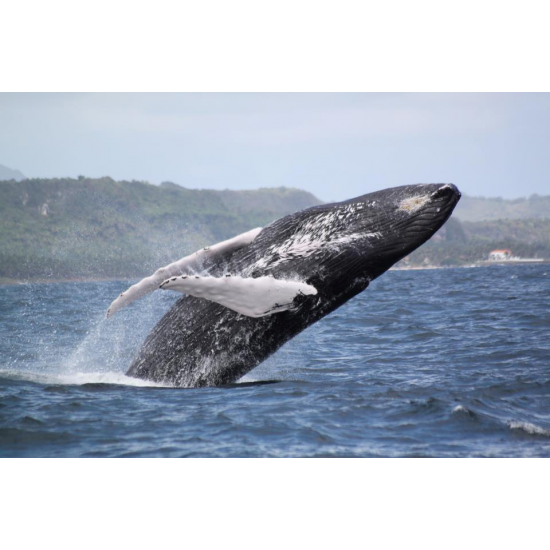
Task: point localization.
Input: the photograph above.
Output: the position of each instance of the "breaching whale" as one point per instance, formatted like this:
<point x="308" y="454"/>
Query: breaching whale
<point x="245" y="297"/>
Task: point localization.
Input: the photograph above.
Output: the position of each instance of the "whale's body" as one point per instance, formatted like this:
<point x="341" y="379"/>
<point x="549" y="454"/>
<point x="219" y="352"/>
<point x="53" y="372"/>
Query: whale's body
<point x="334" y="250"/>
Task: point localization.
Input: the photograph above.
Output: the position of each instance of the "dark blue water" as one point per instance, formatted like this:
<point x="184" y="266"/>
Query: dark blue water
<point x="424" y="363"/>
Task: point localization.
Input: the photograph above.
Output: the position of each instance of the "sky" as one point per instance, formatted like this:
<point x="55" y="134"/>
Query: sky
<point x="335" y="145"/>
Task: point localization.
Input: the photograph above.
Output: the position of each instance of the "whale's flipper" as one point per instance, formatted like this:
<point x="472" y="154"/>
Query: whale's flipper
<point x="251" y="297"/>
<point x="192" y="262"/>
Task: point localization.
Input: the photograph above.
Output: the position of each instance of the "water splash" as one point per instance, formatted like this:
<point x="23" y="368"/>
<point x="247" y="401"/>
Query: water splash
<point x="105" y="348"/>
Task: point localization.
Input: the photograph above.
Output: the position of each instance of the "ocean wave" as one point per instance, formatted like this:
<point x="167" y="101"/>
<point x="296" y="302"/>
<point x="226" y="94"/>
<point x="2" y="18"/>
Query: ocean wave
<point x="527" y="427"/>
<point x="13" y="437"/>
<point x="464" y="411"/>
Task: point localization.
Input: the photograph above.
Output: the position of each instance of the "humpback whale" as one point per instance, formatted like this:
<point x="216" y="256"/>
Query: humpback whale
<point x="247" y="296"/>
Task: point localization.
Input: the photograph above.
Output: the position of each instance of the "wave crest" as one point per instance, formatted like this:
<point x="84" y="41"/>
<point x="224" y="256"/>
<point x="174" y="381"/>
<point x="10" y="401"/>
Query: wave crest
<point x="527" y="427"/>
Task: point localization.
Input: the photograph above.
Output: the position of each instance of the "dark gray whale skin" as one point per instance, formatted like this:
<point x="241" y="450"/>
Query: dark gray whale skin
<point x="339" y="248"/>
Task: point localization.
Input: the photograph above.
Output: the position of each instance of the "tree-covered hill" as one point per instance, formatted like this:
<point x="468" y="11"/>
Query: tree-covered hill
<point x="65" y="228"/>
<point x="475" y="209"/>
<point x="73" y="228"/>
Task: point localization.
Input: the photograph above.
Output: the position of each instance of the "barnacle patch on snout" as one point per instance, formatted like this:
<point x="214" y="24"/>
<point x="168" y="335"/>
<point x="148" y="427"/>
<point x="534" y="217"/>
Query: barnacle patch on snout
<point x="412" y="204"/>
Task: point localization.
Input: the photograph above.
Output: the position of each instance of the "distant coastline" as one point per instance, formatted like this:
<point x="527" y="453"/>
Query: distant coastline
<point x="8" y="281"/>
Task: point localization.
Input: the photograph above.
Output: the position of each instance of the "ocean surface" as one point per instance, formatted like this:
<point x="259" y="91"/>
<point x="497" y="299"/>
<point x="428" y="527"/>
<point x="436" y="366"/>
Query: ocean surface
<point x="451" y="362"/>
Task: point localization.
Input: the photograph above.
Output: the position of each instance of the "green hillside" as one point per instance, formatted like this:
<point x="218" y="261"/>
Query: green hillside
<point x="65" y="228"/>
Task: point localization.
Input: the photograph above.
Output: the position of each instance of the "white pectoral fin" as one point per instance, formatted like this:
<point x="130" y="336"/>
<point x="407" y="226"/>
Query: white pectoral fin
<point x="151" y="283"/>
<point x="251" y="297"/>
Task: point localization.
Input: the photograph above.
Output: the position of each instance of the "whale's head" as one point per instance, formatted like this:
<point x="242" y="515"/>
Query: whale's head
<point x="385" y="226"/>
<point x="350" y="243"/>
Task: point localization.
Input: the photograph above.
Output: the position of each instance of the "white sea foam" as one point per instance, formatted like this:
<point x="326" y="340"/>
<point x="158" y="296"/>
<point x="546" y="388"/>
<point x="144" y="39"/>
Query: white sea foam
<point x="105" y="378"/>
<point x="77" y="378"/>
<point x="529" y="428"/>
